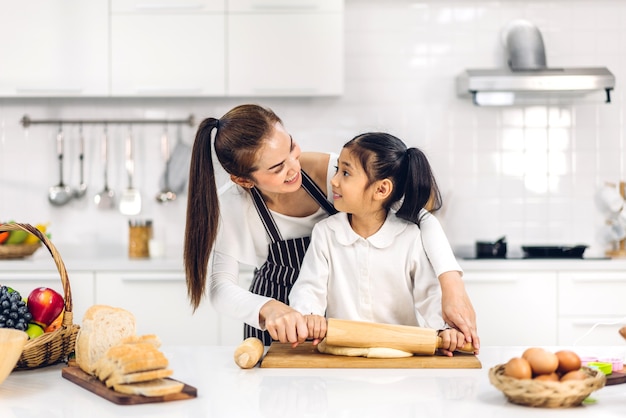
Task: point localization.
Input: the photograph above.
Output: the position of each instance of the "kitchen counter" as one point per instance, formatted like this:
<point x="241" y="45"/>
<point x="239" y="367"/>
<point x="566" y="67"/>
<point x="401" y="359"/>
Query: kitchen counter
<point x="224" y="390"/>
<point x="116" y="259"/>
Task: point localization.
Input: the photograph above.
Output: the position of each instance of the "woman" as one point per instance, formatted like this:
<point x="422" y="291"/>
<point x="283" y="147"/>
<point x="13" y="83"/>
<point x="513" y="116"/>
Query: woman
<point x="264" y="218"/>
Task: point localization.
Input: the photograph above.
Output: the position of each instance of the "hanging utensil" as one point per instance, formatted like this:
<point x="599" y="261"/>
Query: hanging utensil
<point x="106" y="198"/>
<point x="130" y="202"/>
<point x="82" y="186"/>
<point x="178" y="171"/>
<point x="60" y="194"/>
<point x="166" y="194"/>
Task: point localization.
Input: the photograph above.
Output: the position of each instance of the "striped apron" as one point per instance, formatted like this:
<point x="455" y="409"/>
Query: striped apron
<point x="279" y="272"/>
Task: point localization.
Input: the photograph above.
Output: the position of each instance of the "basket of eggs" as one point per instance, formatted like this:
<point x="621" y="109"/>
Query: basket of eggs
<point x="541" y="378"/>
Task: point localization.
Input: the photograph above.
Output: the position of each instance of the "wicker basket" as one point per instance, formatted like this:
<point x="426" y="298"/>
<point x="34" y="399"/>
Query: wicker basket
<point x="546" y="394"/>
<point x="8" y="252"/>
<point x="51" y="347"/>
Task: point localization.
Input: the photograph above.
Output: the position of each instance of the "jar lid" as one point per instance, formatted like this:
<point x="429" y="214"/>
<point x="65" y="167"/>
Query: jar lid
<point x="139" y="222"/>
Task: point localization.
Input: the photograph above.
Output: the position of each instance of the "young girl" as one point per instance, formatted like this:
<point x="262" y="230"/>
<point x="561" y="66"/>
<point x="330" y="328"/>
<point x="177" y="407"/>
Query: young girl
<point x="368" y="263"/>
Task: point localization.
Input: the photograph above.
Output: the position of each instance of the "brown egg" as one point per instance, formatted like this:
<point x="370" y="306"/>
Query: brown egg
<point x="551" y="377"/>
<point x="574" y="375"/>
<point x="568" y="361"/>
<point x="518" y="368"/>
<point x="541" y="361"/>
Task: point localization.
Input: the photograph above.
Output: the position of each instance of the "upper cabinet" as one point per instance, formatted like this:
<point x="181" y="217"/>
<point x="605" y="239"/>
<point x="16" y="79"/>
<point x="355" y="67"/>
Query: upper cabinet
<point x="171" y="48"/>
<point x="167" y="48"/>
<point x="285" y="48"/>
<point x="54" y="48"/>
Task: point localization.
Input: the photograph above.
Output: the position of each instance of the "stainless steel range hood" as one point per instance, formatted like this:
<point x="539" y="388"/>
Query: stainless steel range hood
<point x="528" y="75"/>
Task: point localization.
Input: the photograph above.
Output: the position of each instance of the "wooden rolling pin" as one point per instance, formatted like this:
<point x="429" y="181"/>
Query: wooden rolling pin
<point x="359" y="334"/>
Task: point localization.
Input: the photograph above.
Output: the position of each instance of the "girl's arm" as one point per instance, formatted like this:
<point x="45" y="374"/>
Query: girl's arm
<point x="456" y="305"/>
<point x="283" y="323"/>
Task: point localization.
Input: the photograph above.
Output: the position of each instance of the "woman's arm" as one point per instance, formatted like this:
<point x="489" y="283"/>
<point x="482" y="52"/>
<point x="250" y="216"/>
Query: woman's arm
<point x="283" y="323"/>
<point x="456" y="306"/>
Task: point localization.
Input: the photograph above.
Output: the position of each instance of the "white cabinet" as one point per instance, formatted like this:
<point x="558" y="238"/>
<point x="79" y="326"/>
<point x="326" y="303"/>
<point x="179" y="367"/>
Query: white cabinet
<point x="591" y="307"/>
<point x="278" y="48"/>
<point x="167" y="48"/>
<point x="54" y="48"/>
<point x="81" y="285"/>
<point x="160" y="305"/>
<point x="514" y="308"/>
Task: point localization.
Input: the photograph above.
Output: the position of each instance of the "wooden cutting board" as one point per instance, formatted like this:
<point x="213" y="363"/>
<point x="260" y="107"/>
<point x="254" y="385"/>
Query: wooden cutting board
<point x="616" y="378"/>
<point x="91" y="383"/>
<point x="306" y="356"/>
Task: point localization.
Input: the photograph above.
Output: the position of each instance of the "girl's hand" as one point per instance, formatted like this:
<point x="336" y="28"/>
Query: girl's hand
<point x="283" y="323"/>
<point x="317" y="327"/>
<point x="456" y="306"/>
<point x="450" y="340"/>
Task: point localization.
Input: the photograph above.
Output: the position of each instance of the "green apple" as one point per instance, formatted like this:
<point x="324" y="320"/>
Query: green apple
<point x="34" y="331"/>
<point x="17" y="237"/>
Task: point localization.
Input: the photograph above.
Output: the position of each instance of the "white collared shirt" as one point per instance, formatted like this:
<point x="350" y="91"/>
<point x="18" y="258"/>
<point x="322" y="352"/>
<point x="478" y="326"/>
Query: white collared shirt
<point x="385" y="278"/>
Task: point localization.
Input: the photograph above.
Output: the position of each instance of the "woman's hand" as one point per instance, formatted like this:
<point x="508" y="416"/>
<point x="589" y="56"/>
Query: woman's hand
<point x="457" y="308"/>
<point x="283" y="323"/>
<point x="317" y="326"/>
<point x="451" y="339"/>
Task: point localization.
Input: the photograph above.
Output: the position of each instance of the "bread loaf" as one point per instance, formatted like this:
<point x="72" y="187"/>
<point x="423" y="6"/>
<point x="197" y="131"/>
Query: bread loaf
<point x="103" y="326"/>
<point x="107" y="347"/>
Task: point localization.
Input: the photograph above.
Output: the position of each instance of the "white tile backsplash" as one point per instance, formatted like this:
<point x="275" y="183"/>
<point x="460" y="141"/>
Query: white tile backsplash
<point x="529" y="173"/>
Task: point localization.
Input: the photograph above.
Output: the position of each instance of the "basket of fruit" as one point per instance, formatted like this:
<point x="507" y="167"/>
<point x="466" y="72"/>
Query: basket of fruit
<point x="19" y="243"/>
<point x="541" y="378"/>
<point x="44" y="308"/>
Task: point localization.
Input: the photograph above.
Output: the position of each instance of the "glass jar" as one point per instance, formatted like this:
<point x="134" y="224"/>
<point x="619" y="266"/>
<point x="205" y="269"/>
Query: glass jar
<point x="139" y="235"/>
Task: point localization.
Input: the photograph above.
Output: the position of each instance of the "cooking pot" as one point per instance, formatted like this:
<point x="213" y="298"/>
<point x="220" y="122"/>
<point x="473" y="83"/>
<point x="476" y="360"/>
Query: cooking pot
<point x="495" y="249"/>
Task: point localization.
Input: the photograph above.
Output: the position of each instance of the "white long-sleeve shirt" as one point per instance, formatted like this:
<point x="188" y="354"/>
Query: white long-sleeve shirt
<point x="385" y="278"/>
<point x="242" y="240"/>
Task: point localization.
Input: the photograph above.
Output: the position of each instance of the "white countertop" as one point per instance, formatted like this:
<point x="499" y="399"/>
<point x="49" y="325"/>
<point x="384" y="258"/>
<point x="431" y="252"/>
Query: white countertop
<point x="224" y="390"/>
<point x="116" y="259"/>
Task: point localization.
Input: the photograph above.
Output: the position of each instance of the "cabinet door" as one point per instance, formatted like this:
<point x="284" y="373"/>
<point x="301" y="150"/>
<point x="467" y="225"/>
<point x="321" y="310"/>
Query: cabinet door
<point x="54" y="48"/>
<point x="81" y="285"/>
<point x="514" y="308"/>
<point x="295" y="52"/>
<point x="591" y="307"/>
<point x="160" y="305"/>
<point x="167" y="48"/>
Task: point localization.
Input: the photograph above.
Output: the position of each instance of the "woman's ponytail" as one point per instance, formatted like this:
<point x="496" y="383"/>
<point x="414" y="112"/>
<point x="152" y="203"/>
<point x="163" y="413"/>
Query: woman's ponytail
<point x="202" y="213"/>
<point x="420" y="188"/>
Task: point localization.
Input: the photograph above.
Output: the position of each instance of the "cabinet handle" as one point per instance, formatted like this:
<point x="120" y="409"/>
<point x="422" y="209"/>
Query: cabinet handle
<point x="284" y="6"/>
<point x="285" y="92"/>
<point x="33" y="90"/>
<point x="600" y="280"/>
<point x="171" y="6"/>
<point x="164" y="90"/>
<point x="151" y="277"/>
<point x="600" y="322"/>
<point x="495" y="280"/>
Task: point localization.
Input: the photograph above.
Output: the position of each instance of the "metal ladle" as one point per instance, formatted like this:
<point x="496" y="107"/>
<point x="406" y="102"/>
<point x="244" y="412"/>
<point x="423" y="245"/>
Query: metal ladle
<point x="82" y="186"/>
<point x="106" y="198"/>
<point x="166" y="194"/>
<point x="60" y="194"/>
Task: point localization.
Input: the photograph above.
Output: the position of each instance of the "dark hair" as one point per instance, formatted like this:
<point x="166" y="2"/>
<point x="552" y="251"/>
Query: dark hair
<point x="239" y="135"/>
<point x="384" y="156"/>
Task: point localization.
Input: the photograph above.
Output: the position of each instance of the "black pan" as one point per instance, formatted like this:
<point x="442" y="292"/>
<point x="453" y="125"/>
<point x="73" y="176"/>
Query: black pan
<point x="556" y="251"/>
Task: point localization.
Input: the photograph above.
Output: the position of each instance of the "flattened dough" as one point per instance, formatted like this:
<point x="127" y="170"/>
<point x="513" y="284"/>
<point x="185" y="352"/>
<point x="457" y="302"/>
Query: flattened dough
<point x="373" y="352"/>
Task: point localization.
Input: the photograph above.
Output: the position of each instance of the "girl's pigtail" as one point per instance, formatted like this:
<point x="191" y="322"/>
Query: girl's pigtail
<point x="202" y="213"/>
<point x="420" y="188"/>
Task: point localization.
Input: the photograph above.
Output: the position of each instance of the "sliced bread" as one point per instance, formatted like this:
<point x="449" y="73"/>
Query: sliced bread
<point x="103" y="327"/>
<point x="157" y="387"/>
<point x="118" y="378"/>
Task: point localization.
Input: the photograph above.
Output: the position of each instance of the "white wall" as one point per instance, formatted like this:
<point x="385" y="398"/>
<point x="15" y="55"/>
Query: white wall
<point x="529" y="173"/>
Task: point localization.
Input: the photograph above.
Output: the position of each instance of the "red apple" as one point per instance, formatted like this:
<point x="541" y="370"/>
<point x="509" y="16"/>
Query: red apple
<point x="44" y="304"/>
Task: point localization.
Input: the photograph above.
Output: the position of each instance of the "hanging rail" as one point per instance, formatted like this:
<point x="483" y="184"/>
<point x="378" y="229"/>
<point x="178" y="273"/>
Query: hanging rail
<point x="26" y="121"/>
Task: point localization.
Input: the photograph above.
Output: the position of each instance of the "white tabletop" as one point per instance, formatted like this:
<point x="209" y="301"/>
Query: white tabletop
<point x="224" y="390"/>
